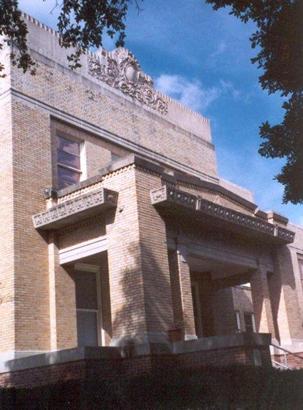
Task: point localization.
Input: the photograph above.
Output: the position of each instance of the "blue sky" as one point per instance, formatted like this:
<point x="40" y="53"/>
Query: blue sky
<point x="202" y="58"/>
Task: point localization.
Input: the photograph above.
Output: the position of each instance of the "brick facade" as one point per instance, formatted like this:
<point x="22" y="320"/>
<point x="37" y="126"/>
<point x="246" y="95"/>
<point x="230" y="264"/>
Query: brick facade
<point x="150" y="216"/>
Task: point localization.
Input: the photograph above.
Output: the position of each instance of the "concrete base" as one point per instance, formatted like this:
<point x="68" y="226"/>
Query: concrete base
<point x="109" y="362"/>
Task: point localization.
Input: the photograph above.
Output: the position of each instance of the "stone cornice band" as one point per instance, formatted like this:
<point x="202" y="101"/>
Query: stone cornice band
<point x="168" y="196"/>
<point x="75" y="209"/>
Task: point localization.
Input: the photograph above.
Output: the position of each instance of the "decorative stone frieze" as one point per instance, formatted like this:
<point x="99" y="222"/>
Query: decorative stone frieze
<point x="169" y="195"/>
<point x="74" y="210"/>
<point x="120" y="69"/>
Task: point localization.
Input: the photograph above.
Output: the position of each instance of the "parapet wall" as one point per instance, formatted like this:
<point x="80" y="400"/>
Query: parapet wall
<point x="45" y="41"/>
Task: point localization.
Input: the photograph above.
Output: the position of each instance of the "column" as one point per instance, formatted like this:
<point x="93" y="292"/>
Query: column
<point x="288" y="313"/>
<point x="262" y="302"/>
<point x="186" y="294"/>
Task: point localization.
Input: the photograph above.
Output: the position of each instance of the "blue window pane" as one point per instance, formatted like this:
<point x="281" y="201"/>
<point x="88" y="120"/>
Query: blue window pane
<point x="67" y="177"/>
<point x="68" y="159"/>
<point x="64" y="144"/>
<point x="87" y="328"/>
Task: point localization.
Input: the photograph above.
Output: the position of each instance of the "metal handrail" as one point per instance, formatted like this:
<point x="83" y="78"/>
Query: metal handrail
<point x="285" y="354"/>
<point x="279" y="364"/>
<point x="287" y="351"/>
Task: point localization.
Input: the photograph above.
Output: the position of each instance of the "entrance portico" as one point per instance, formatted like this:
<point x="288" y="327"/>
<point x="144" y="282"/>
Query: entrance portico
<point x="173" y="271"/>
<point x="218" y="248"/>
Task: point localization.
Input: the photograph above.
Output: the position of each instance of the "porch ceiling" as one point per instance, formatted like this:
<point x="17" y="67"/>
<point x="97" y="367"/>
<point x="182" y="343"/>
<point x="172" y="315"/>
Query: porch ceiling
<point x="218" y="269"/>
<point x="180" y="203"/>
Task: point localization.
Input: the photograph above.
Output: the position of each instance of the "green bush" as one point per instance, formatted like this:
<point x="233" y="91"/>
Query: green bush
<point x="208" y="388"/>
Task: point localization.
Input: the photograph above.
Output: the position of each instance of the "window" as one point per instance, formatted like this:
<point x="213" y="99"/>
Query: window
<point x="114" y="157"/>
<point x="249" y="320"/>
<point x="68" y="162"/>
<point x="197" y="308"/>
<point x="238" y="321"/>
<point x="88" y="308"/>
<point x="300" y="260"/>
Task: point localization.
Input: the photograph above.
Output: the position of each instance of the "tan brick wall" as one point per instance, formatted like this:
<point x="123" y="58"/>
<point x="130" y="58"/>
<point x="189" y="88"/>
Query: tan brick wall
<point x="223" y="308"/>
<point x="105" y="300"/>
<point x="289" y="318"/>
<point x="34" y="290"/>
<point x="32" y="173"/>
<point x="7" y="292"/>
<point x="175" y="289"/>
<point x="62" y="299"/>
<point x="83" y="231"/>
<point x="154" y="254"/>
<point x="60" y="88"/>
<point x="124" y="258"/>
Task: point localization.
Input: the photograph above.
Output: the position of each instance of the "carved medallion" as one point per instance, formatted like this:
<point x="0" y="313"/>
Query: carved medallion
<point x="120" y="69"/>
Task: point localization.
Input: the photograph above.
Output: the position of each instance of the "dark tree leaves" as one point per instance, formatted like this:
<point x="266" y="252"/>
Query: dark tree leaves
<point x="279" y="41"/>
<point x="286" y="141"/>
<point x="14" y="29"/>
<point x="81" y="25"/>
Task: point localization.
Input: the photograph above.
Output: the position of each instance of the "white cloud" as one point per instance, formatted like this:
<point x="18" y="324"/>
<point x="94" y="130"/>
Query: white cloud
<point x="221" y="48"/>
<point x="228" y="87"/>
<point x="248" y="169"/>
<point x="190" y="93"/>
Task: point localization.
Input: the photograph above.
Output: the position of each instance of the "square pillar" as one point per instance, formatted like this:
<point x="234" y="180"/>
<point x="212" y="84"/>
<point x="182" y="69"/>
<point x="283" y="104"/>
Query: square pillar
<point x="262" y="302"/>
<point x="289" y="311"/>
<point x="140" y="288"/>
<point x="186" y="294"/>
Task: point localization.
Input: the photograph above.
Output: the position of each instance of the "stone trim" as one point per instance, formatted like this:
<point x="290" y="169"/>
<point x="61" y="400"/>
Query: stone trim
<point x="157" y="169"/>
<point x="74" y="210"/>
<point x="144" y="349"/>
<point x="168" y="196"/>
<point x="83" y="249"/>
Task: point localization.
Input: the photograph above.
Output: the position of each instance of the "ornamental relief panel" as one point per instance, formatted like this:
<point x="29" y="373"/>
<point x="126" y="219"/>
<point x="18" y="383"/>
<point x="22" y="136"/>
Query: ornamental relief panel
<point x="120" y="69"/>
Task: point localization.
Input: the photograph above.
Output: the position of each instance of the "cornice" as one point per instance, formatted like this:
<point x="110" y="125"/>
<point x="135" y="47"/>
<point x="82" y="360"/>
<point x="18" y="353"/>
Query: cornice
<point x="76" y="209"/>
<point x="169" y="197"/>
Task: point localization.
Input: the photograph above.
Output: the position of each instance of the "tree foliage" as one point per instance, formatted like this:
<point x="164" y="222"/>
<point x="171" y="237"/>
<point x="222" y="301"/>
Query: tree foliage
<point x="279" y="44"/>
<point x="81" y="25"/>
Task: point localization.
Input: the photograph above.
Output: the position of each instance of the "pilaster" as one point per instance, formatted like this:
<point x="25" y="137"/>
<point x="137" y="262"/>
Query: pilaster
<point x="62" y="302"/>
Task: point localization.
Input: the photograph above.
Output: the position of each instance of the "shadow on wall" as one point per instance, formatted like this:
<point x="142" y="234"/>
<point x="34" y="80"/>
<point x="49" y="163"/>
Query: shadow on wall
<point x="147" y="308"/>
<point x="283" y="280"/>
<point x="281" y="283"/>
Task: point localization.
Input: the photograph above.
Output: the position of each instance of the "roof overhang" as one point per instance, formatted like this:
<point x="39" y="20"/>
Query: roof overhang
<point x="178" y="202"/>
<point x="76" y="209"/>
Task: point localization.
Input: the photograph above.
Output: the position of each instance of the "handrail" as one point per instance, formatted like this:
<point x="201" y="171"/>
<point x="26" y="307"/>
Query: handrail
<point x="279" y="364"/>
<point x="287" y="351"/>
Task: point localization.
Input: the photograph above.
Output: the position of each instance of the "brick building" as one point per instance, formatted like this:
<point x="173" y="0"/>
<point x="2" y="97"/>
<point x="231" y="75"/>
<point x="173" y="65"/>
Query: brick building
<point x="120" y="242"/>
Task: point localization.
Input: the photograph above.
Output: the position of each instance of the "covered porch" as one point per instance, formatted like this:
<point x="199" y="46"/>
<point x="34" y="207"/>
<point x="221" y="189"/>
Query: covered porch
<point x="223" y="264"/>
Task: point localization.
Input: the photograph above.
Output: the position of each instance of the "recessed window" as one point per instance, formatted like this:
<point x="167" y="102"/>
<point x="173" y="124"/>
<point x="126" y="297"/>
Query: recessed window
<point x="87" y="308"/>
<point x="68" y="162"/>
<point x="238" y="321"/>
<point x="249" y="320"/>
<point x="114" y="157"/>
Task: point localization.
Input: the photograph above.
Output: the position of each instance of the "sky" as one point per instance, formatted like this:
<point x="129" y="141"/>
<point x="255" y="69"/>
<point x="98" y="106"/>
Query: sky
<point x="201" y="57"/>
